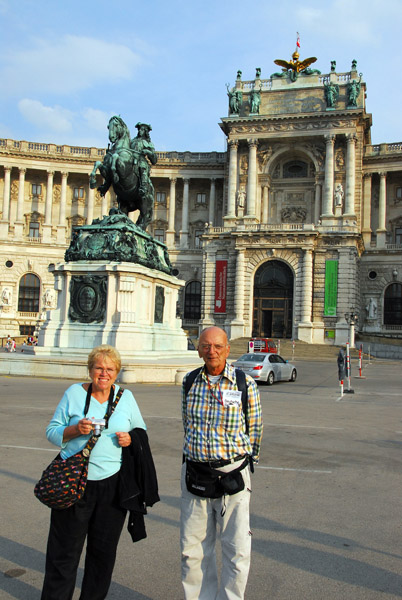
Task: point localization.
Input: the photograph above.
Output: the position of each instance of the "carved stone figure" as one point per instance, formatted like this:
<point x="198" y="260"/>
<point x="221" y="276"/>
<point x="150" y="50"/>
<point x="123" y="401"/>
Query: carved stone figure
<point x="241" y="198"/>
<point x="353" y="90"/>
<point x="6" y="296"/>
<point x="255" y="101"/>
<point x="125" y="167"/>
<point x="258" y="73"/>
<point x="235" y="100"/>
<point x="331" y="92"/>
<point x="371" y="309"/>
<point x="333" y="66"/>
<point x="339" y="195"/>
<point x="49" y="298"/>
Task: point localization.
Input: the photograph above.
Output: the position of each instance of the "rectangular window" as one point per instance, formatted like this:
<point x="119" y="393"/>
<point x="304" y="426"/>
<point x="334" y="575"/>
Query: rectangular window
<point x="36" y="189"/>
<point x="33" y="229"/>
<point x="78" y="193"/>
<point x="160" y="197"/>
<point x="201" y="198"/>
<point x="399" y="193"/>
<point x="159" y="235"/>
<point x="398" y="236"/>
<point x="197" y="238"/>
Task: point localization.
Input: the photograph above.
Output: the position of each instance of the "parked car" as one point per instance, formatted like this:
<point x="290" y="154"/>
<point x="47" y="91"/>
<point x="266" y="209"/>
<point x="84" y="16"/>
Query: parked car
<point x="262" y="345"/>
<point x="266" y="367"/>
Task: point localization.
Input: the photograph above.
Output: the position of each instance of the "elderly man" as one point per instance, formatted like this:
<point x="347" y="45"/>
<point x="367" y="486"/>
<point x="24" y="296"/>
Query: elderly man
<point x="222" y="433"/>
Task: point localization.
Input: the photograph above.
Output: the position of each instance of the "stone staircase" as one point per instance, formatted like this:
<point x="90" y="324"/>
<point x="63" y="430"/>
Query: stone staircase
<point x="302" y="351"/>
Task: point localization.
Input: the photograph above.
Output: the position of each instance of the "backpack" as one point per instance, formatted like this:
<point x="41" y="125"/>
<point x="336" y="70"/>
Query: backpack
<point x="241" y="386"/>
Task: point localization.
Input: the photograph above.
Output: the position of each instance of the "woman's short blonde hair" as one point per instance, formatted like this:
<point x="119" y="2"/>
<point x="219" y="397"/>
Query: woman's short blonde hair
<point x="104" y="351"/>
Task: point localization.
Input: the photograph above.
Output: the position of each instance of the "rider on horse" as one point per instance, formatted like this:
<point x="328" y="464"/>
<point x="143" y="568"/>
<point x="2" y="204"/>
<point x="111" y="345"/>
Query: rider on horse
<point x="146" y="150"/>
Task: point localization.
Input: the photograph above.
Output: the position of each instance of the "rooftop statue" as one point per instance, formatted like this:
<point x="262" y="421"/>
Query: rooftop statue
<point x="235" y="100"/>
<point x="126" y="167"/>
<point x="353" y="90"/>
<point x="331" y="91"/>
<point x="295" y="66"/>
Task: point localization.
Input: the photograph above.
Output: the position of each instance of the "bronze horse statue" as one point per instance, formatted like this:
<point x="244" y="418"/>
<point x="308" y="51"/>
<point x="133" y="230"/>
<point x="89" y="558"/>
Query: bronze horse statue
<point x="125" y="167"/>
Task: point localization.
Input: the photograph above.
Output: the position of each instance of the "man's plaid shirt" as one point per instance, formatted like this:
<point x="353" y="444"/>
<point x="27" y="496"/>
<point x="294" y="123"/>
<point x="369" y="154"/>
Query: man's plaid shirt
<point x="213" y="431"/>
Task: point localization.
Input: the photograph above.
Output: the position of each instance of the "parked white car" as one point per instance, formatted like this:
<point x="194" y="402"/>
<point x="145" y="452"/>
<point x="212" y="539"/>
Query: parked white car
<point x="266" y="367"/>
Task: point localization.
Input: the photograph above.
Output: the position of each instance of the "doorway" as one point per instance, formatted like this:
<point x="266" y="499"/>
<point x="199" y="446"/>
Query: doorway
<point x="273" y="300"/>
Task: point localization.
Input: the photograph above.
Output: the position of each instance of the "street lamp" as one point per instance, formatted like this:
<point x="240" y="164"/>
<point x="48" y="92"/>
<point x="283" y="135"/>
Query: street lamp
<point x="351" y="319"/>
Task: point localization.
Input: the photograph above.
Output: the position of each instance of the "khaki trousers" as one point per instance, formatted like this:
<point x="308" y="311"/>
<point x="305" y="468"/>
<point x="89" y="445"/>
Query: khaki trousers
<point x="200" y="523"/>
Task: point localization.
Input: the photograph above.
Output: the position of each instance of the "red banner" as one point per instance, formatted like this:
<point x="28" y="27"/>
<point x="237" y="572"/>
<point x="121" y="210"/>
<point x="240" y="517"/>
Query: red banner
<point x="220" y="286"/>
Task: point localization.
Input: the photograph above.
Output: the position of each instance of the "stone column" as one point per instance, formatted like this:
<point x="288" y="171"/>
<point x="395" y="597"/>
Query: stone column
<point x="237" y="326"/>
<point x="305" y="326"/>
<point x="170" y="233"/>
<point x="19" y="222"/>
<point x="212" y="195"/>
<point x="62" y="226"/>
<point x="328" y="200"/>
<point x="47" y="226"/>
<point x="265" y="203"/>
<point x="230" y="217"/>
<point x="91" y="202"/>
<point x="6" y="194"/>
<point x="105" y="203"/>
<point x="366" y="217"/>
<point x="382" y="231"/>
<point x="208" y="290"/>
<point x="184" y="216"/>
<point x="317" y="201"/>
<point x="252" y="181"/>
<point x="350" y="175"/>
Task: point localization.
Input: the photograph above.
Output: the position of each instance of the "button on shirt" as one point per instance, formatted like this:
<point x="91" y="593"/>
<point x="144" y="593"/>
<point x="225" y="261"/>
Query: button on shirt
<point x="213" y="431"/>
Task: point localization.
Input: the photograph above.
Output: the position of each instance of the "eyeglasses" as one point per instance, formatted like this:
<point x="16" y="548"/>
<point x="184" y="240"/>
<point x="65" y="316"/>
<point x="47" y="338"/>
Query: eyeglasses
<point x="102" y="370"/>
<point x="217" y="347"/>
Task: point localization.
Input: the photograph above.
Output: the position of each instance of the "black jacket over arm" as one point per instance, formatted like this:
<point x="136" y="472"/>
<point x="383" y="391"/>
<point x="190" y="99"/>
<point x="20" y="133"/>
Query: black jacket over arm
<point x="138" y="486"/>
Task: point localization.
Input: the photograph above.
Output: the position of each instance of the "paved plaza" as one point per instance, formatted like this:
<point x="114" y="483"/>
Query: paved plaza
<point x="326" y="503"/>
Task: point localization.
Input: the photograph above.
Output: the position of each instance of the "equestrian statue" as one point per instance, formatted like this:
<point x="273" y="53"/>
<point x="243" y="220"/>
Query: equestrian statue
<point x="126" y="167"/>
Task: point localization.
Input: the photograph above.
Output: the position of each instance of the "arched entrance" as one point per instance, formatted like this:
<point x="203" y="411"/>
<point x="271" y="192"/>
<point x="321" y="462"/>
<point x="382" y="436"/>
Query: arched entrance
<point x="273" y="300"/>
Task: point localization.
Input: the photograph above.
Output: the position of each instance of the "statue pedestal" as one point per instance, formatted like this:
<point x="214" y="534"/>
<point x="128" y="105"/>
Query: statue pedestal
<point x="126" y="305"/>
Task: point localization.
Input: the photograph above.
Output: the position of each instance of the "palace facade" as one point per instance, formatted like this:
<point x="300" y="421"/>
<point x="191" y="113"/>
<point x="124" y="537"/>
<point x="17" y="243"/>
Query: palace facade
<point x="292" y="232"/>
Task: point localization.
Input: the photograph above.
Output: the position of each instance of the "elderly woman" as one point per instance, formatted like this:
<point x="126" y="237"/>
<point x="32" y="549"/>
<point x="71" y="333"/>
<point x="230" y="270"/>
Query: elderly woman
<point x="98" y="516"/>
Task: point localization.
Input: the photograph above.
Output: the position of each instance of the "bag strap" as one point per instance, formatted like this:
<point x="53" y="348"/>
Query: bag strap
<point x="94" y="438"/>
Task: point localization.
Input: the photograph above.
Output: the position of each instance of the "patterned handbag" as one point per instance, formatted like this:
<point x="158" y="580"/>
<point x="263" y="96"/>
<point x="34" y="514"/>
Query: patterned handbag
<point x="63" y="482"/>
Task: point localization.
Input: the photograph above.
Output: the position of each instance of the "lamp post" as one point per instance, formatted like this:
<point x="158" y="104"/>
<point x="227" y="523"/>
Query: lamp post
<point x="351" y="319"/>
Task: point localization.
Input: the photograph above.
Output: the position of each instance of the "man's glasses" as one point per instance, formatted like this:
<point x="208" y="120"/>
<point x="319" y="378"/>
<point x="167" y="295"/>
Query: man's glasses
<point x="218" y="347"/>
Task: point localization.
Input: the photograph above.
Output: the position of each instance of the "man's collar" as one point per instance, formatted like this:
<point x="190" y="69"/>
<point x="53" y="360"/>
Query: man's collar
<point x="228" y="372"/>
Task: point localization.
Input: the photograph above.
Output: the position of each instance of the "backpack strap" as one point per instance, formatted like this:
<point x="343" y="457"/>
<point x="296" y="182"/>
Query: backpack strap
<point x="190" y="379"/>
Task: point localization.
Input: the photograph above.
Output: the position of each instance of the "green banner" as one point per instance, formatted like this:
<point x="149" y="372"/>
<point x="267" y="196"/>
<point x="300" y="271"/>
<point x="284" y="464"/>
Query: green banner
<point x="331" y="288"/>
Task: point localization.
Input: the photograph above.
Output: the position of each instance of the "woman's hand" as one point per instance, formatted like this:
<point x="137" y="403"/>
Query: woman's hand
<point x="83" y="427"/>
<point x="123" y="438"/>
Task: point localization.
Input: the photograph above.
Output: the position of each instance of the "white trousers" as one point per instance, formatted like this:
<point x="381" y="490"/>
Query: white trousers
<point x="201" y="520"/>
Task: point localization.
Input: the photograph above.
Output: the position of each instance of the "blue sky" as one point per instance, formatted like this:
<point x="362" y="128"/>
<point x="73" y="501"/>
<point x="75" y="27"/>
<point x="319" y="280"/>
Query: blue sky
<point x="67" y="66"/>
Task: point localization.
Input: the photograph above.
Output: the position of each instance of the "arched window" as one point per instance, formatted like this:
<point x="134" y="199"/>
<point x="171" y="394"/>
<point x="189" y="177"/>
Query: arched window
<point x="393" y="304"/>
<point x="192" y="300"/>
<point x="294" y="168"/>
<point x="28" y="293"/>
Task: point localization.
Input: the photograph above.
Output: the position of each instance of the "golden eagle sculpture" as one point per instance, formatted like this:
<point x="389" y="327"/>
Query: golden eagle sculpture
<point x="295" y="66"/>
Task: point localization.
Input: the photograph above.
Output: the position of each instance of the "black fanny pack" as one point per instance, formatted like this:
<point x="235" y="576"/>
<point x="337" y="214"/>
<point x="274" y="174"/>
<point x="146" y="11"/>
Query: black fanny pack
<point x="202" y="480"/>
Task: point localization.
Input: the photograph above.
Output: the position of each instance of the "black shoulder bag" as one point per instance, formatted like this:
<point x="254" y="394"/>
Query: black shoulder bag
<point x="63" y="482"/>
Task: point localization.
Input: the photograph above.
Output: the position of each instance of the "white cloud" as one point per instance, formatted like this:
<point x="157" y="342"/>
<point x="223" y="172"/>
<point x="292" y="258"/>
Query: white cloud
<point x="67" y="65"/>
<point x="349" y="20"/>
<point x="96" y="119"/>
<point x="49" y="118"/>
